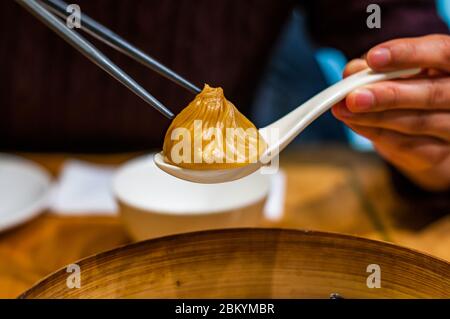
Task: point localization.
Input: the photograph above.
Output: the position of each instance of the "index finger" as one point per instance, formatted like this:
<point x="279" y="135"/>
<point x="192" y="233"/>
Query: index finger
<point x="432" y="51"/>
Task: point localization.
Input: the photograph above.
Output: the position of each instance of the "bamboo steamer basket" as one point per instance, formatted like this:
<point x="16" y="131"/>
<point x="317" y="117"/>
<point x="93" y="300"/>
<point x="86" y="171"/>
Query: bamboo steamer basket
<point x="252" y="263"/>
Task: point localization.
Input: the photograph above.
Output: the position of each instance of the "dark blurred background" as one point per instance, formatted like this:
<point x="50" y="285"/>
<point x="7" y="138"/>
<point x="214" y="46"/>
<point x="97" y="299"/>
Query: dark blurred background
<point x="269" y="56"/>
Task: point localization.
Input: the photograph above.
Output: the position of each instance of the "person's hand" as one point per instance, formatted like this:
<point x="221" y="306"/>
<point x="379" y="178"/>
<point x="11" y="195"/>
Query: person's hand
<point x="407" y="120"/>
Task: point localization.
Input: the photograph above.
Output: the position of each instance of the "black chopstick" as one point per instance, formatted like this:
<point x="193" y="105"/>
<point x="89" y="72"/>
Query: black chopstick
<point x="107" y="36"/>
<point x="93" y="54"/>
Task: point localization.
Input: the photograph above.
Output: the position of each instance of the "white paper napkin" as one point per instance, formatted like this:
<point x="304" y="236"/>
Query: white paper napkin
<point x="84" y="188"/>
<point x="274" y="207"/>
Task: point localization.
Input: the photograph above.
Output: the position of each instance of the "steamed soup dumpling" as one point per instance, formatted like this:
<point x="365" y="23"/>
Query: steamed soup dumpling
<point x="210" y="133"/>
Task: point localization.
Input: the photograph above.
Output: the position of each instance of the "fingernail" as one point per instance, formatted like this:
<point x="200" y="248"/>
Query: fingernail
<point x="379" y="57"/>
<point x="363" y="99"/>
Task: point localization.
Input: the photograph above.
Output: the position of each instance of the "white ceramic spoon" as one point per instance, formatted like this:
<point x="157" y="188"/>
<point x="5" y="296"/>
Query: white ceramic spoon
<point x="287" y="128"/>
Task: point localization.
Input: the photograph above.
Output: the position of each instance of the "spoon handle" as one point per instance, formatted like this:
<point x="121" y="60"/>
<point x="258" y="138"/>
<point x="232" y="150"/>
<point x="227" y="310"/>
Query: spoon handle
<point x="292" y="124"/>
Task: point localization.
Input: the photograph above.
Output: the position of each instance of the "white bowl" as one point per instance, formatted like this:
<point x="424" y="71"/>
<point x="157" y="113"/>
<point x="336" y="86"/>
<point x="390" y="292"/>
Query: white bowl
<point x="153" y="203"/>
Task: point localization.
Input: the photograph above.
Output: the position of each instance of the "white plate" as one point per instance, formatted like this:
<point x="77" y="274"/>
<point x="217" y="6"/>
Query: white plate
<point x="24" y="190"/>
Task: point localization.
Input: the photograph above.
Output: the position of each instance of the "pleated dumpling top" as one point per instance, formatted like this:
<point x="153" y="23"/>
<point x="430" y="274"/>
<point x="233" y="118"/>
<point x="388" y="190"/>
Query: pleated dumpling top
<point x="210" y="133"/>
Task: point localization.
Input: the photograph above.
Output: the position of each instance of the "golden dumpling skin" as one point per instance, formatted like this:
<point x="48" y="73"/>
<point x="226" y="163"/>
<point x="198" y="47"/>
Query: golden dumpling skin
<point x="210" y="133"/>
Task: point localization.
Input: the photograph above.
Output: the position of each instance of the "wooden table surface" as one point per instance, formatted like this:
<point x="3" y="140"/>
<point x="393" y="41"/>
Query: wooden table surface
<point x="329" y="189"/>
